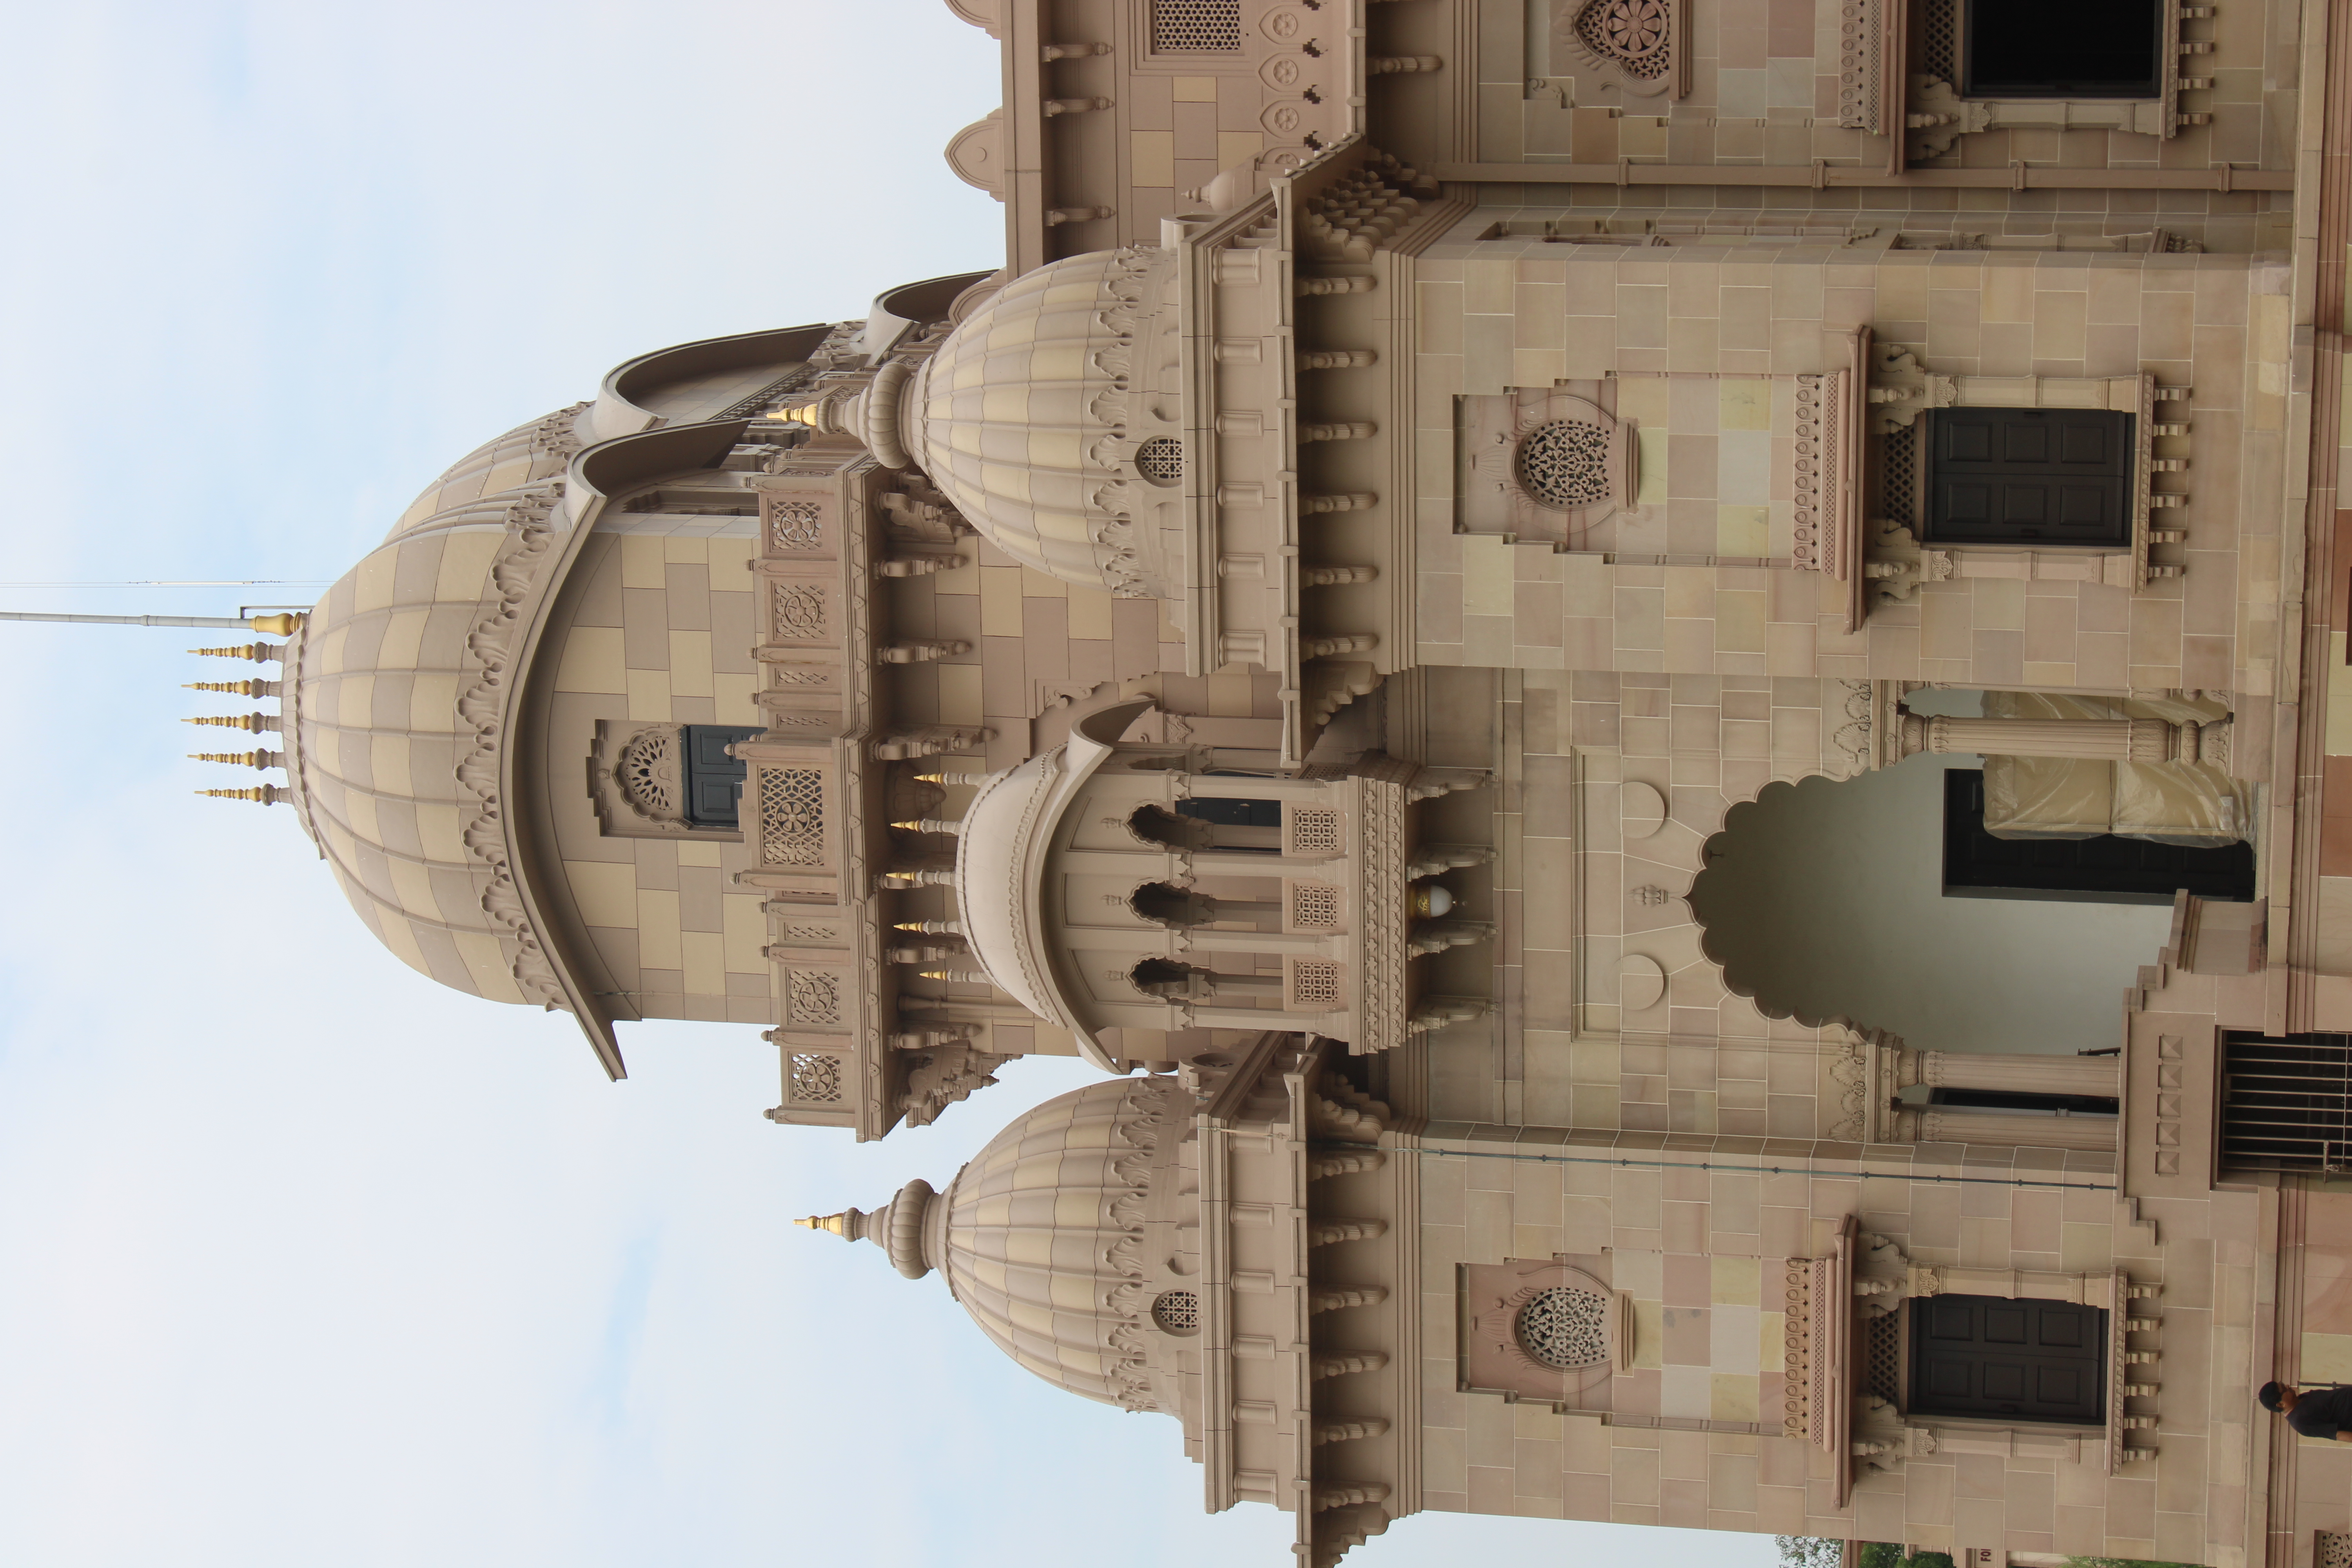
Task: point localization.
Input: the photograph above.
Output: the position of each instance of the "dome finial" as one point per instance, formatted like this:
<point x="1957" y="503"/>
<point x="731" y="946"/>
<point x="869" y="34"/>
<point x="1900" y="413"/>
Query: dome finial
<point x="849" y="1224"/>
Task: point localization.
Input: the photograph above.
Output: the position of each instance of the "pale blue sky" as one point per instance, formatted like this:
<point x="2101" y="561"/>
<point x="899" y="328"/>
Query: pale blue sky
<point x="302" y="1259"/>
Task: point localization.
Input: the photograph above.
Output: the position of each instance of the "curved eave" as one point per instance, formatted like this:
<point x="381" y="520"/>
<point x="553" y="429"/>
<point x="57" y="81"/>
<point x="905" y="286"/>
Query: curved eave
<point x="1088" y="748"/>
<point x="617" y="414"/>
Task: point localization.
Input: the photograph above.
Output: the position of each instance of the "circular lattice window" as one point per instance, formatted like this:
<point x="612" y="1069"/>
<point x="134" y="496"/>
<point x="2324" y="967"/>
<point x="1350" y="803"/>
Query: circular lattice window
<point x="1565" y="1329"/>
<point x="1564" y="464"/>
<point x="1177" y="1312"/>
<point x="1160" y="459"/>
<point x="651" y="775"/>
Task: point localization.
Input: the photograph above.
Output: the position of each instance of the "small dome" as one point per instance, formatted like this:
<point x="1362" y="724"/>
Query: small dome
<point x="1032" y="415"/>
<point x="1041" y="1239"/>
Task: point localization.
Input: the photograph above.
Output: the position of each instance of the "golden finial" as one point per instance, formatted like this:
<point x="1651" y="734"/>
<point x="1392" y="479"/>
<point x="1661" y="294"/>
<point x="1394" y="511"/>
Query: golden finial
<point x="252" y="723"/>
<point x="932" y="928"/>
<point x="258" y="652"/>
<point x="265" y="794"/>
<point x="944" y="776"/>
<point x="928" y="825"/>
<point x="234" y="687"/>
<point x="973" y="976"/>
<point x="240" y="759"/>
<point x="277" y="625"/>
<point x="849" y="1224"/>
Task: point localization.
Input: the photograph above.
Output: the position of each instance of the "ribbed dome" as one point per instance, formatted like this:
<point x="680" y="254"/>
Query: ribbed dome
<point x="526" y="455"/>
<point x="1031" y="416"/>
<point x="1043" y="1238"/>
<point x="393" y="724"/>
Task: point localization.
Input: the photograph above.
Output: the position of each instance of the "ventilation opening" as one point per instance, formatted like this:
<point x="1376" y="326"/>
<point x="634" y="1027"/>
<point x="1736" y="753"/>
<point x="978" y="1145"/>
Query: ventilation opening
<point x="2286" y="1104"/>
<point x="1564" y="464"/>
<point x="1160" y="459"/>
<point x="1196" y="27"/>
<point x="1177" y="1312"/>
<point x="1566" y="1329"/>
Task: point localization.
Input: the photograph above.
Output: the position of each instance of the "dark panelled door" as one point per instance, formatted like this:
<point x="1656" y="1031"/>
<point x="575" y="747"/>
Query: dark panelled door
<point x="1999" y="1358"/>
<point x="714" y="780"/>
<point x="2028" y="476"/>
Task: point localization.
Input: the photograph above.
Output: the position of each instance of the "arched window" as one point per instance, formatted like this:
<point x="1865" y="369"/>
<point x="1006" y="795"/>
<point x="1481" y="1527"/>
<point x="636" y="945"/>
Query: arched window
<point x="1215" y="823"/>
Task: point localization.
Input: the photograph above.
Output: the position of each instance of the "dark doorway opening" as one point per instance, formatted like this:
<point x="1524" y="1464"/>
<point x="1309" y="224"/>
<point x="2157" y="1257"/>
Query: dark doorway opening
<point x="2108" y="870"/>
<point x="2008" y="1359"/>
<point x="2083" y="48"/>
<point x="714" y="781"/>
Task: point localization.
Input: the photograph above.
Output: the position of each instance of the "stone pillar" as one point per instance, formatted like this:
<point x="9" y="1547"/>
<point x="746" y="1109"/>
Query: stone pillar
<point x="2084" y="740"/>
<point x="2099" y="1075"/>
<point x="1935" y="1124"/>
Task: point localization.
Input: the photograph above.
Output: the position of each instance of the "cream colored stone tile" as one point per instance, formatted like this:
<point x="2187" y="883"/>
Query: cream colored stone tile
<point x="689" y="664"/>
<point x="684" y="550"/>
<point x="648" y="691"/>
<point x="1036" y="584"/>
<point x="594" y="660"/>
<point x="1487" y="576"/>
<point x="1000" y="601"/>
<point x="1151" y="157"/>
<point x="657" y="930"/>
<point x="1743" y="530"/>
<point x="959" y="693"/>
<point x="703" y="958"/>
<point x="732" y="699"/>
<point x="641" y="562"/>
<point x="1090" y="613"/>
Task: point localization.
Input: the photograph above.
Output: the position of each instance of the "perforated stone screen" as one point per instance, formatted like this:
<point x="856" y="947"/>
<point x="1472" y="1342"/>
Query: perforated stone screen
<point x="1566" y="1328"/>
<point x="1565" y="464"/>
<point x="1178" y="1311"/>
<point x="1160" y="459"/>
<point x="1196" y="27"/>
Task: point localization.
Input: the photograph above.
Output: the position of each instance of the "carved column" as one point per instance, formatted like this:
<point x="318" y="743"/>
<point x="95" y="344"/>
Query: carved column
<point x="2082" y="740"/>
<point x="1935" y="1124"/>
<point x="2097" y="1075"/>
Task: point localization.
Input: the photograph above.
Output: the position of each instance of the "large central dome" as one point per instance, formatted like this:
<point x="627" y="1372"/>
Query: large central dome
<point x="1053" y="418"/>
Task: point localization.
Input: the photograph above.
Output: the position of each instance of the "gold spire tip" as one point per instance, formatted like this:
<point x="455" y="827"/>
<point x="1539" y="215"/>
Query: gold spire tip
<point x="836" y="1223"/>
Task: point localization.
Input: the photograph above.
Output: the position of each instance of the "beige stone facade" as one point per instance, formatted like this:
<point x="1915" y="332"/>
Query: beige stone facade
<point x="1310" y="629"/>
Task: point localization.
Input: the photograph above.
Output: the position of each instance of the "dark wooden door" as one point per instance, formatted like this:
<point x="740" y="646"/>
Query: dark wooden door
<point x="1999" y="1358"/>
<point x="714" y="781"/>
<point x="2028" y="476"/>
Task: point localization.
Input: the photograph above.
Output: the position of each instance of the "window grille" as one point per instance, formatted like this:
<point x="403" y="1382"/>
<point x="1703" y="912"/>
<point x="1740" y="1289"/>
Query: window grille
<point x="795" y="525"/>
<point x="1315" y="984"/>
<point x="1315" y="905"/>
<point x="792" y="816"/>
<point x="1898" y="473"/>
<point x="1160" y="459"/>
<point x="1566" y="1329"/>
<point x="1196" y="27"/>
<point x="2286" y="1105"/>
<point x="1177" y="1312"/>
<point x="2330" y="1550"/>
<point x="1938" y="52"/>
<point x="1314" y="830"/>
<point x="811" y="996"/>
<point x="1564" y="464"/>
<point x="816" y="1079"/>
<point x="799" y="610"/>
<point x="652" y="776"/>
<point x="1883" y="1369"/>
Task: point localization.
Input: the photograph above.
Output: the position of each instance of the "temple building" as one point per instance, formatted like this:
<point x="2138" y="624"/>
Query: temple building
<point x="1656" y="681"/>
